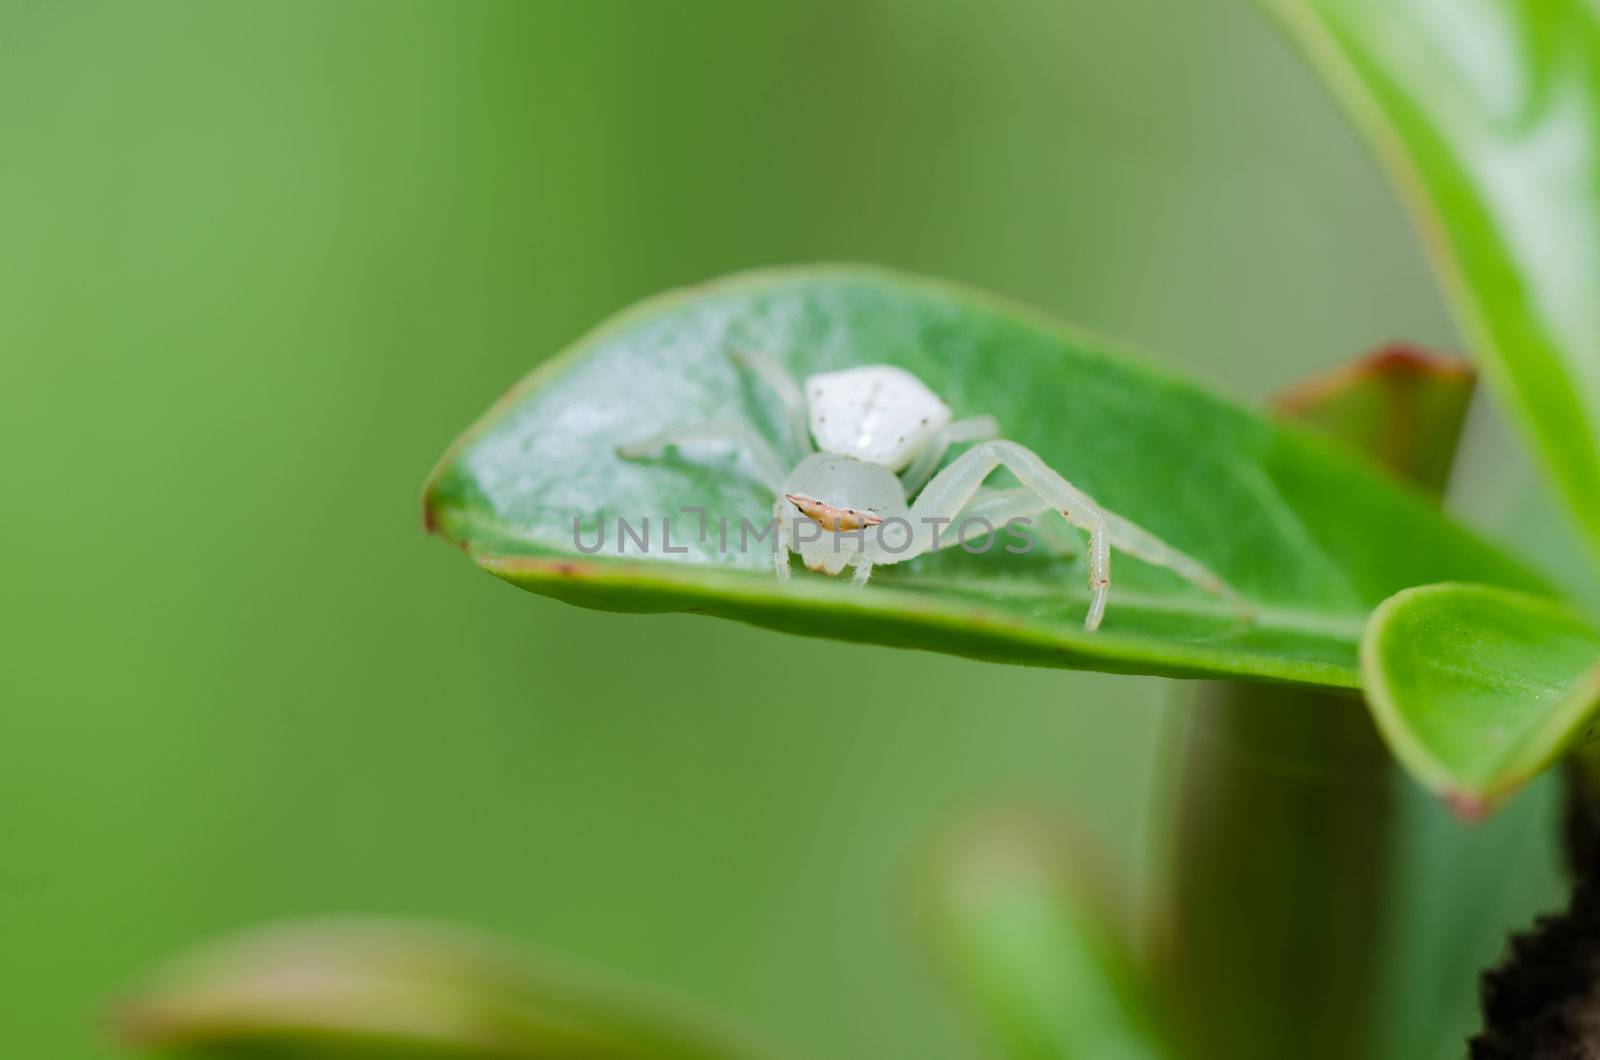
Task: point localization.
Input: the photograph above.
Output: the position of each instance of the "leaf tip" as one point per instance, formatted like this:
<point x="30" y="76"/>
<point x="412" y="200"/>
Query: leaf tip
<point x="1410" y="359"/>
<point x="1468" y="808"/>
<point x="435" y="510"/>
<point x="1393" y="362"/>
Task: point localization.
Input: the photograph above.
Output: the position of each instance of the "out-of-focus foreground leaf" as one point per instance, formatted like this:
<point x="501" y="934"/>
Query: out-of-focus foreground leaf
<point x="1488" y="114"/>
<point x="1032" y="939"/>
<point x="1476" y="689"/>
<point x="1312" y="539"/>
<point x="337" y="990"/>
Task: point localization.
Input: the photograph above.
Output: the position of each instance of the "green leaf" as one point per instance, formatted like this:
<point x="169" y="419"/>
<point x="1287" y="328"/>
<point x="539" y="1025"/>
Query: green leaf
<point x="1311" y="539"/>
<point x="1456" y="893"/>
<point x="1487" y="113"/>
<point x="376" y="990"/>
<point x="1401" y="405"/>
<point x="1029" y="934"/>
<point x="1477" y="689"/>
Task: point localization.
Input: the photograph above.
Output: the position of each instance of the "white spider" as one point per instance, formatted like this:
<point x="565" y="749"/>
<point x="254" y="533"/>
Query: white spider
<point x="880" y="435"/>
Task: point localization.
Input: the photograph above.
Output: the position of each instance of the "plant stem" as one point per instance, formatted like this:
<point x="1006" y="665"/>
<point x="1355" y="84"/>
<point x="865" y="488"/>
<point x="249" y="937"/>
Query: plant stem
<point x="1275" y="899"/>
<point x="1276" y="890"/>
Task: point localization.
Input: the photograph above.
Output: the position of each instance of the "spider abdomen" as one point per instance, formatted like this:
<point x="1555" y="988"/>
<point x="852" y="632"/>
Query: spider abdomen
<point x="877" y="413"/>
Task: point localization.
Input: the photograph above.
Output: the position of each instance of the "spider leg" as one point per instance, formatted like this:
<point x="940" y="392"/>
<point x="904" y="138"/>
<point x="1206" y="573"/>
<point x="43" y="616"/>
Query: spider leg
<point x="787" y="391"/>
<point x="974" y="429"/>
<point x="953" y="493"/>
<point x="997" y="508"/>
<point x="741" y="436"/>
<point x="951" y="489"/>
<point x="781" y="544"/>
<point x="1140" y="543"/>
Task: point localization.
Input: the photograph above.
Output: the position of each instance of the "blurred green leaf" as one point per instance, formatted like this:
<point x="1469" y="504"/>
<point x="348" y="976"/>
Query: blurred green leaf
<point x="1401" y="405"/>
<point x="1028" y="937"/>
<point x="1487" y="113"/>
<point x="1476" y="689"/>
<point x="1311" y="539"/>
<point x="335" y="990"/>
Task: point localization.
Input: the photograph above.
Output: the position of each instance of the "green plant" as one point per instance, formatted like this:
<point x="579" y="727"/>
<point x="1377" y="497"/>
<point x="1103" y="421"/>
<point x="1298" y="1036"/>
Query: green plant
<point x="1478" y="672"/>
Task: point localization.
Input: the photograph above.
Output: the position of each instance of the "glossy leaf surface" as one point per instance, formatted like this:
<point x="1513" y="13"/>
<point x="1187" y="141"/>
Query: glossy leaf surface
<point x="1477" y="689"/>
<point x="1311" y="539"/>
<point x="1488" y="114"/>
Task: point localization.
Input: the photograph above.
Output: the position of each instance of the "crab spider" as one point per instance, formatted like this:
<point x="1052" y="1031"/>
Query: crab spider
<point x="864" y="492"/>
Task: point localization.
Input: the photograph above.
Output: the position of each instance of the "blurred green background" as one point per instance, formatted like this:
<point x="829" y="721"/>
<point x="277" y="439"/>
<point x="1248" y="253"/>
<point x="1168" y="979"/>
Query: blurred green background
<point x="259" y="262"/>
